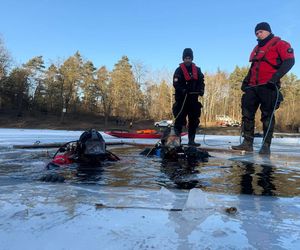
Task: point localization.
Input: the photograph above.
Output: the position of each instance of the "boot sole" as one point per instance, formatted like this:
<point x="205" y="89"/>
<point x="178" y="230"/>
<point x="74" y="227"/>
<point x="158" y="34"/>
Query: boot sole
<point x="240" y="149"/>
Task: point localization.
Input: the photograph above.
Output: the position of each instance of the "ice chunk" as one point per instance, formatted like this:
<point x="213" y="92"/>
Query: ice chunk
<point x="166" y="195"/>
<point x="196" y="199"/>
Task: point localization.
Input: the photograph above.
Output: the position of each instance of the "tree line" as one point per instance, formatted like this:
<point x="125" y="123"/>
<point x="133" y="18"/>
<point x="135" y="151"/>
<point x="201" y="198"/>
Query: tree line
<point x="127" y="92"/>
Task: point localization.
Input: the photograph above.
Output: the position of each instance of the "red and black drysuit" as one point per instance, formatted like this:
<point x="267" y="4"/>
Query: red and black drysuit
<point x="270" y="60"/>
<point x="188" y="82"/>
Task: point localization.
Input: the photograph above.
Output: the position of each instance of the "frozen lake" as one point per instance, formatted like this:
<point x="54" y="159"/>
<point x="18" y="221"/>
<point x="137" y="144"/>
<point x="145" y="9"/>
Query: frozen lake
<point x="148" y="204"/>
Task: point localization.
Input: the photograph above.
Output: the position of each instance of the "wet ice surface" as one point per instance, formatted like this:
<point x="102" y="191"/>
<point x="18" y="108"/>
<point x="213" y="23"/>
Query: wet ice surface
<point x="143" y="202"/>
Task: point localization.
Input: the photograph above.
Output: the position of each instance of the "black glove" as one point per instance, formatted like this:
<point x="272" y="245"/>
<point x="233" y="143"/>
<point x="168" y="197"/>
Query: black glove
<point x="273" y="85"/>
<point x="201" y="92"/>
<point x="184" y="91"/>
<point x="244" y="86"/>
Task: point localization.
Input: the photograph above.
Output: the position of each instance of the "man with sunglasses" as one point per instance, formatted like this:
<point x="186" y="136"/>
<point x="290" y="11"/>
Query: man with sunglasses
<point x="270" y="60"/>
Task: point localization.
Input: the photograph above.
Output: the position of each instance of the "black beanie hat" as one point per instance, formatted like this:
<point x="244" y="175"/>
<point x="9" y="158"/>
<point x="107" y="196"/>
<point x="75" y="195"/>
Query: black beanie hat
<point x="187" y="52"/>
<point x="263" y="26"/>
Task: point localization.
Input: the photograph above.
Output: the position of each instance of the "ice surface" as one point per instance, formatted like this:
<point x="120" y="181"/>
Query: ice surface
<point x="35" y="215"/>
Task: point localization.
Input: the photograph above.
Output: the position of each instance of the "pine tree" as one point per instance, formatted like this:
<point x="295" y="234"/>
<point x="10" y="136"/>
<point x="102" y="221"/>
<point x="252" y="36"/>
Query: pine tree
<point x="71" y="76"/>
<point x="53" y="89"/>
<point x="104" y="87"/>
<point x="89" y="87"/>
<point x="126" y="94"/>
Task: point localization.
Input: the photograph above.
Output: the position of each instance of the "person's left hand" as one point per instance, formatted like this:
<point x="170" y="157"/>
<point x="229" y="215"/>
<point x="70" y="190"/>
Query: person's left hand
<point x="244" y="86"/>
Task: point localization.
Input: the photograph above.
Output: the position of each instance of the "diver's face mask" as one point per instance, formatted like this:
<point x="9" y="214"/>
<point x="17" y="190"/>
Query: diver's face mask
<point x="173" y="141"/>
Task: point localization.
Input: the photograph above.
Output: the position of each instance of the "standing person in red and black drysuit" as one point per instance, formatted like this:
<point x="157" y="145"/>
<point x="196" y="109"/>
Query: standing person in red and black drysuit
<point x="270" y="60"/>
<point x="188" y="82"/>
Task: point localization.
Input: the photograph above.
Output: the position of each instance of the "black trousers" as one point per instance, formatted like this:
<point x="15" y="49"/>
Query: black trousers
<point x="264" y="98"/>
<point x="191" y="109"/>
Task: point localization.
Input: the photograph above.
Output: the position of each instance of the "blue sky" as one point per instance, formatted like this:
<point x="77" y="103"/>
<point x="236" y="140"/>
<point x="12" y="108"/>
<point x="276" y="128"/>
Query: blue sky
<point x="221" y="33"/>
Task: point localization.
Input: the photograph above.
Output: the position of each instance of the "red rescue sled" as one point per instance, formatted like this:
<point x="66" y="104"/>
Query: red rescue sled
<point x="139" y="134"/>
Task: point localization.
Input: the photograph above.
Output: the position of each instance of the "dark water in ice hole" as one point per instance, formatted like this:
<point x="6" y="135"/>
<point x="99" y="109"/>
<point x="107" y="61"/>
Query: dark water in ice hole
<point x="137" y="171"/>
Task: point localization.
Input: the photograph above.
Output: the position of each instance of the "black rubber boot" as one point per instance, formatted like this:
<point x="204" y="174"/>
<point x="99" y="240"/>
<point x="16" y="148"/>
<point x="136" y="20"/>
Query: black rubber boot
<point x="265" y="149"/>
<point x="268" y="129"/>
<point x="192" y="142"/>
<point x="248" y="134"/>
<point x="246" y="145"/>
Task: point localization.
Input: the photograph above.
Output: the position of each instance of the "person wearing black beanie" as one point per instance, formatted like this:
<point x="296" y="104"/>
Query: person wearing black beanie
<point x="270" y="60"/>
<point x="187" y="52"/>
<point x="262" y="26"/>
<point x="188" y="82"/>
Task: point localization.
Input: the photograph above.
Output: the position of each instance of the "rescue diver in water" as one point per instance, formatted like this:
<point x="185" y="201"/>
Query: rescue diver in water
<point x="169" y="148"/>
<point x="90" y="149"/>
